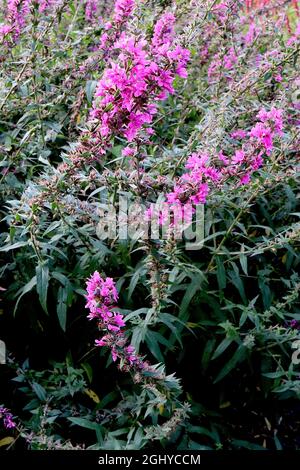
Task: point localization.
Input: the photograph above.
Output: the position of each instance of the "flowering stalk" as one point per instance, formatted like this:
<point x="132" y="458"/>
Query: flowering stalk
<point x="17" y="15"/>
<point x="7" y="418"/>
<point x="142" y="74"/>
<point x="90" y="9"/>
<point x="193" y="186"/>
<point x="46" y="5"/>
<point x="17" y="11"/>
<point x="102" y="297"/>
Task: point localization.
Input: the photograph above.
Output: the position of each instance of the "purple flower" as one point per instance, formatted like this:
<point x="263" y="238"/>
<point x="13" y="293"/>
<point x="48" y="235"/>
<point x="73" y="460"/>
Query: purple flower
<point x="238" y="134"/>
<point x="123" y="9"/>
<point x="101" y="294"/>
<point x="263" y="134"/>
<point x="238" y="157"/>
<point x="294" y="324"/>
<point x="164" y="30"/>
<point x="140" y="74"/>
<point x="7" y="418"/>
<point x="90" y="10"/>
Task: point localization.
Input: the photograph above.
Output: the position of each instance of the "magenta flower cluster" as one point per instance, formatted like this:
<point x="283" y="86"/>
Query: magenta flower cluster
<point x="101" y="302"/>
<point x="123" y="9"/>
<point x="7" y="418"/>
<point x="141" y="75"/>
<point x="101" y="295"/>
<point x="226" y="62"/>
<point x="164" y="31"/>
<point x="90" y="10"/>
<point x="194" y="185"/>
<point x="17" y="12"/>
<point x="45" y="4"/>
<point x="219" y="63"/>
<point x="270" y="125"/>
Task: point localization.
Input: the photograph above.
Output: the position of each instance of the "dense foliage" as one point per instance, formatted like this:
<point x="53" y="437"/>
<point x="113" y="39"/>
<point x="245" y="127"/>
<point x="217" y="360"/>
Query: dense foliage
<point x="190" y="102"/>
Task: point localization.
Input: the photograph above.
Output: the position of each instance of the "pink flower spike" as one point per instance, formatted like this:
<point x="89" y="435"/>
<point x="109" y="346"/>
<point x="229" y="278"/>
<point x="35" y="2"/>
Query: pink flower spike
<point x="238" y="134"/>
<point x="114" y="354"/>
<point x="245" y="179"/>
<point x="7" y="417"/>
<point x="101" y="342"/>
<point x="128" y="152"/>
<point x="238" y="157"/>
<point x="118" y="319"/>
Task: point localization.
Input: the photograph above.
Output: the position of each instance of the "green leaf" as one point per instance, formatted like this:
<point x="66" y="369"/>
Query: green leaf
<point x="195" y="446"/>
<point x="244" y="261"/>
<point x="62" y="307"/>
<point x="221" y="274"/>
<point x="152" y="343"/>
<point x="107" y="399"/>
<point x="32" y="405"/>
<point x="265" y="289"/>
<point x="90" y="90"/>
<point x="39" y="391"/>
<point x="14" y="246"/>
<point x="222" y="347"/>
<point x="277" y="443"/>
<point x="247" y="445"/>
<point x="138" y="336"/>
<point x="6" y="441"/>
<point x="84" y="423"/>
<point x="88" y="370"/>
<point x="267" y="76"/>
<point x="42" y="277"/>
<point x="134" y="280"/>
<point x="274" y="375"/>
<point x="27" y="288"/>
<point x="207" y="353"/>
<point x="238" y="356"/>
<point x="237" y="282"/>
<point x="191" y="290"/>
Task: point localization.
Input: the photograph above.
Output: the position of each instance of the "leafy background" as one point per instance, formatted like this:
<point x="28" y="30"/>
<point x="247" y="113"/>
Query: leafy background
<point x="224" y="319"/>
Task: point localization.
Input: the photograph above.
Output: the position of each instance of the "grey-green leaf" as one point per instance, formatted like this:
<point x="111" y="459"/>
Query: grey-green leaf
<point x="62" y="307"/>
<point x="42" y="278"/>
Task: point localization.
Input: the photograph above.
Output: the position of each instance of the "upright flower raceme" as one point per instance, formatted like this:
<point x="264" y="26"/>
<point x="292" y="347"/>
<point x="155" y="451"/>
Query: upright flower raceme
<point x="100" y="296"/>
<point x="270" y="125"/>
<point x="7" y="418"/>
<point x="194" y="185"/>
<point x="164" y="31"/>
<point x="141" y="75"/>
<point x="90" y="10"/>
<point x="5" y="31"/>
<point x="123" y="9"/>
<point x="101" y="299"/>
<point x="230" y="59"/>
<point x="250" y="36"/>
<point x="221" y="10"/>
<point x="101" y="302"/>
<point x="17" y="13"/>
<point x="295" y="37"/>
<point x="45" y="4"/>
<point x="219" y="62"/>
